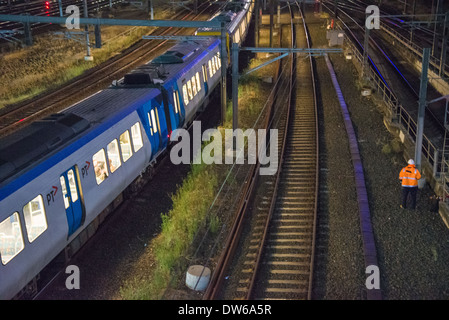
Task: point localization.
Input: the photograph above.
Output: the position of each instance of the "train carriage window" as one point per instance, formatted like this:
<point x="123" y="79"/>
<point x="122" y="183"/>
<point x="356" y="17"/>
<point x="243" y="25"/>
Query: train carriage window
<point x="193" y="81"/>
<point x="157" y="119"/>
<point x="137" y="137"/>
<point x="125" y="145"/>
<point x="189" y="90"/>
<point x="210" y="68"/>
<point x="214" y="69"/>
<point x="184" y="94"/>
<point x="11" y="240"/>
<point x="204" y="73"/>
<point x="35" y="220"/>
<point x="237" y="37"/>
<point x="176" y="101"/>
<point x="218" y="60"/>
<point x="100" y="167"/>
<point x="153" y="121"/>
<point x="198" y="83"/>
<point x="64" y="192"/>
<point x="151" y="126"/>
<point x="113" y="155"/>
<point x="72" y="185"/>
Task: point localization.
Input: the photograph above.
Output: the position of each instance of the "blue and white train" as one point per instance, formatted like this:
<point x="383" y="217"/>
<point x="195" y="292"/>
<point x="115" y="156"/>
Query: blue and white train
<point x="60" y="176"/>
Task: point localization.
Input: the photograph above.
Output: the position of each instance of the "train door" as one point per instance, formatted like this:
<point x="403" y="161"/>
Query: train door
<point x="206" y="86"/>
<point x="179" y="118"/>
<point x="155" y="137"/>
<point x="71" y="192"/>
<point x="163" y="123"/>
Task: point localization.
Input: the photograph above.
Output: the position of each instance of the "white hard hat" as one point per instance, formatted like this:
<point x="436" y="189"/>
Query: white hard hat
<point x="411" y="161"/>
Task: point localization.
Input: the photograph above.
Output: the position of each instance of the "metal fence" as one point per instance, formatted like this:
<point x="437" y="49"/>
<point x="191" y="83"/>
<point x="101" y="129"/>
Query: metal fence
<point x="408" y="125"/>
<point x="416" y="49"/>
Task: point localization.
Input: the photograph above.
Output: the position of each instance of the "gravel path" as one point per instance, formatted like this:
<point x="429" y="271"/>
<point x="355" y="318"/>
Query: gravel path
<point x="411" y="245"/>
<point x="339" y="253"/>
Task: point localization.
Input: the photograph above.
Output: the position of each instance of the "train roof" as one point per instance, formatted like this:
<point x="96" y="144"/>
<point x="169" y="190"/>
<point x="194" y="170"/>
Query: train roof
<point x="172" y="64"/>
<point x="39" y="138"/>
<point x="25" y="149"/>
<point x="228" y="14"/>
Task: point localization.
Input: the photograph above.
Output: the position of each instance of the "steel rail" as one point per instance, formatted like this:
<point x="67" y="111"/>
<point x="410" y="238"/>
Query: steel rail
<point x="383" y="53"/>
<point x="232" y="240"/>
<point x="317" y="167"/>
<point x="259" y="252"/>
<point x="299" y="129"/>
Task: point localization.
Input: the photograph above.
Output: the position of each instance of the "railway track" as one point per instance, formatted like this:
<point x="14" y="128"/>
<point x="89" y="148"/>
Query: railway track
<point x="287" y="258"/>
<point x="14" y="117"/>
<point x="42" y="8"/>
<point x="402" y="82"/>
<point x="277" y="259"/>
<point x="399" y="78"/>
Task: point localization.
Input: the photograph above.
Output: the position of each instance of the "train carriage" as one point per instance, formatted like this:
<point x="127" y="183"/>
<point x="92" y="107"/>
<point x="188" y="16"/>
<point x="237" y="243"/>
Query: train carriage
<point x="237" y="16"/>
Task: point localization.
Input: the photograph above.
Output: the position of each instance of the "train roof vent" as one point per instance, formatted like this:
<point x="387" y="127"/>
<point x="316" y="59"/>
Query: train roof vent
<point x="136" y="78"/>
<point x="154" y="70"/>
<point x="146" y="75"/>
<point x="169" y="57"/>
<point x="235" y="6"/>
<point x="224" y="16"/>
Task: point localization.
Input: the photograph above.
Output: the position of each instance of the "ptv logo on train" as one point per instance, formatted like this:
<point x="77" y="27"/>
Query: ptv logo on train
<point x="51" y="195"/>
<point x="85" y="169"/>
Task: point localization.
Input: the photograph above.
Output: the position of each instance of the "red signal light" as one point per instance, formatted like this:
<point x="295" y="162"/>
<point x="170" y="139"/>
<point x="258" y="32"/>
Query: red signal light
<point x="47" y="8"/>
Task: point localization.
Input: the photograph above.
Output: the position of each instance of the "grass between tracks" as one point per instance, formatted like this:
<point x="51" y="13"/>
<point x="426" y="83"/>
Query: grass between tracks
<point x="191" y="205"/>
<point x="51" y="62"/>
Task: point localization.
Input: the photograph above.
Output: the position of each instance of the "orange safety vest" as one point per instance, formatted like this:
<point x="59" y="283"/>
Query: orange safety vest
<point x="409" y="176"/>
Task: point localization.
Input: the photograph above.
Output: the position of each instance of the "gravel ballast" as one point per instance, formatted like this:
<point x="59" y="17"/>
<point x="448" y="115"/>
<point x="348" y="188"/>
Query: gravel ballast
<point x="339" y="263"/>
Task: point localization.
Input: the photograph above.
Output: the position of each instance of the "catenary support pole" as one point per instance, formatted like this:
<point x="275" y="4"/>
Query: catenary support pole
<point x="151" y="10"/>
<point x="365" y="49"/>
<point x="257" y="22"/>
<point x="28" y="34"/>
<point x="444" y="45"/>
<point x="235" y="85"/>
<point x="224" y="63"/>
<point x="435" y="31"/>
<point x="88" y="56"/>
<point x="271" y="22"/>
<point x="422" y="106"/>
<point x="412" y="30"/>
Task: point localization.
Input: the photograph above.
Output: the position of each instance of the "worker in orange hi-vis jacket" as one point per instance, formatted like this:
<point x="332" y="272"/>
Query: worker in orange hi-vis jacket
<point x="409" y="177"/>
